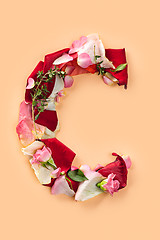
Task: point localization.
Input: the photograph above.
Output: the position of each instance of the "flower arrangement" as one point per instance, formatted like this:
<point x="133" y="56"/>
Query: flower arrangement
<point x="50" y="159"/>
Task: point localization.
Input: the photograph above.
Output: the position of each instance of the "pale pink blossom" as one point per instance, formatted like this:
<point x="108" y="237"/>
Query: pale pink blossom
<point x="68" y="81"/>
<point x="42" y="155"/>
<point x="77" y="44"/>
<point x="30" y="84"/>
<point x="110" y="184"/>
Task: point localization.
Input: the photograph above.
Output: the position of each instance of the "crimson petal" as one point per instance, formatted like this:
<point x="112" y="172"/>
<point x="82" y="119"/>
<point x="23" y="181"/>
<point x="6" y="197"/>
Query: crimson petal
<point x="117" y="167"/>
<point x="117" y="57"/>
<point x="61" y="154"/>
<point x="50" y="58"/>
<point x="48" y="119"/>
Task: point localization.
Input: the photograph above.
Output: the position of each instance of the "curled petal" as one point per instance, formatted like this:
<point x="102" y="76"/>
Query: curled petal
<point x="68" y="81"/>
<point x="31" y="83"/>
<point x="84" y="60"/>
<point x="61" y="186"/>
<point x="63" y="59"/>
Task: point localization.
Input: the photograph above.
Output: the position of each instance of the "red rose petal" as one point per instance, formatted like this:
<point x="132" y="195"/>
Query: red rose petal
<point x="117" y="167"/>
<point x="61" y="154"/>
<point x="50" y="58"/>
<point x="48" y="119"/>
<point x="117" y="57"/>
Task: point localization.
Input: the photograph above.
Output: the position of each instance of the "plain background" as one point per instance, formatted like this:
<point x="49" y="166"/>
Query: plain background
<point x="95" y="119"/>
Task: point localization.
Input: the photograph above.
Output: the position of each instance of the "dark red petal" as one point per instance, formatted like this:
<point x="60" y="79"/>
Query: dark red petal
<point x="61" y="154"/>
<point x="48" y="119"/>
<point x="117" y="57"/>
<point x="33" y="75"/>
<point x="50" y="58"/>
<point x="117" y="167"/>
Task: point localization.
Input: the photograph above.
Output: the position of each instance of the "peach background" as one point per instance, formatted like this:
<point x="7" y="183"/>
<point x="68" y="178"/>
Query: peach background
<point x="95" y="119"/>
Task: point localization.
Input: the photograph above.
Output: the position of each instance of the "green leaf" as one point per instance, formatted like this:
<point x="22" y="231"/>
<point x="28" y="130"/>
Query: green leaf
<point x="36" y="117"/>
<point x="51" y="162"/>
<point x="119" y="68"/>
<point x="77" y="175"/>
<point x="96" y="57"/>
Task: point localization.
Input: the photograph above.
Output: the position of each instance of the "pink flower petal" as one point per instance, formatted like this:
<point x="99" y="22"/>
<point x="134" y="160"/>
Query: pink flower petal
<point x="31" y="83"/>
<point x="84" y="60"/>
<point x="107" y="81"/>
<point x="68" y="81"/>
<point x="63" y="59"/>
<point x="127" y="160"/>
<point x="61" y="187"/>
<point x="56" y="173"/>
<point x="69" y="69"/>
<point x="25" y="111"/>
<point x="24" y="131"/>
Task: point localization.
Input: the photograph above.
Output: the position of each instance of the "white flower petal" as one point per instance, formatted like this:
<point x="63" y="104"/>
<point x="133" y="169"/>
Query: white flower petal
<point x="32" y="148"/>
<point x="59" y="85"/>
<point x="61" y="187"/>
<point x="43" y="174"/>
<point x="88" y="188"/>
<point x="63" y="59"/>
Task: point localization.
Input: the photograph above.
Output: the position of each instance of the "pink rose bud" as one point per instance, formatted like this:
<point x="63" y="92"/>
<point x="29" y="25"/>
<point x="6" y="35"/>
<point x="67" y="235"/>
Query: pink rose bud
<point x="42" y="155"/>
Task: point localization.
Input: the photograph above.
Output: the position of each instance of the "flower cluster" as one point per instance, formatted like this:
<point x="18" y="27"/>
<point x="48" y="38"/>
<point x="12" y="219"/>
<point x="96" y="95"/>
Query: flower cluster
<point x="50" y="159"/>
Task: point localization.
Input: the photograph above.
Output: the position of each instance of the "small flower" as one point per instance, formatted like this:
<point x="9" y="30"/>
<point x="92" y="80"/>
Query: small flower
<point x="58" y="95"/>
<point x="77" y="44"/>
<point x="42" y="155"/>
<point x="110" y="185"/>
